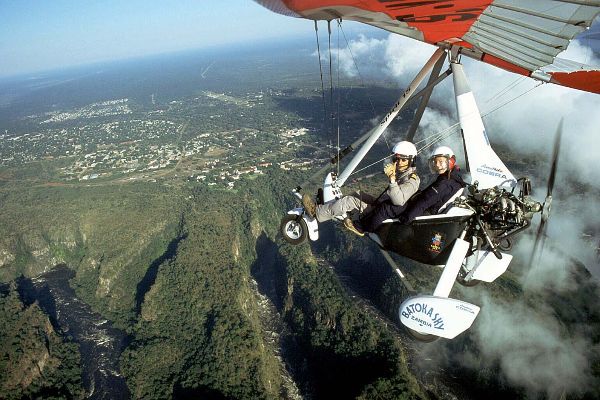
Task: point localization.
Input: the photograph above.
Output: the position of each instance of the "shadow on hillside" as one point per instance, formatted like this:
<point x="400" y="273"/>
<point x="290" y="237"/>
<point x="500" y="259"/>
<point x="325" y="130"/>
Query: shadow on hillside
<point x="271" y="276"/>
<point x="320" y="371"/>
<point x="362" y="270"/>
<point x="150" y="277"/>
<point x="29" y="294"/>
<point x="266" y="272"/>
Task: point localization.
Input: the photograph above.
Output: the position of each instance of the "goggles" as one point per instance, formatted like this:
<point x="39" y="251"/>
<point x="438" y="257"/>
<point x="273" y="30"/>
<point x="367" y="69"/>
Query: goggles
<point x="401" y="157"/>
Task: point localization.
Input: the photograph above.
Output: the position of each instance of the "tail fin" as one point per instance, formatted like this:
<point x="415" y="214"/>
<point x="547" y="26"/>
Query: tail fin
<point x="484" y="164"/>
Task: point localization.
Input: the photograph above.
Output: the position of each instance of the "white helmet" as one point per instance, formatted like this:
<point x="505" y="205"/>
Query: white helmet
<point x="442" y="151"/>
<point x="405" y="148"/>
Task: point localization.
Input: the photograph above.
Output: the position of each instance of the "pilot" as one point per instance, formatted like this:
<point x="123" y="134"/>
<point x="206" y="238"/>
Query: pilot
<point x="404" y="182"/>
<point x="448" y="181"/>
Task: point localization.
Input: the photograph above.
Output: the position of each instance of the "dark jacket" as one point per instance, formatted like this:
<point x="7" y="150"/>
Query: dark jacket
<point x="433" y="197"/>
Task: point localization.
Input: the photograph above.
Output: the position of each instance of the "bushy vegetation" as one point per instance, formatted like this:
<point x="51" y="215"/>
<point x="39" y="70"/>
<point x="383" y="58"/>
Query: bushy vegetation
<point x="198" y="330"/>
<point x="172" y="260"/>
<point x="347" y="350"/>
<point x="35" y="361"/>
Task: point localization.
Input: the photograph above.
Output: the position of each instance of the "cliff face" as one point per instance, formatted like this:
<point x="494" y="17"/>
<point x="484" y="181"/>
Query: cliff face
<point x="171" y="265"/>
<point x="200" y="331"/>
<point x="108" y="235"/>
<point x="35" y="361"/>
<point x="217" y="306"/>
<point x="177" y="269"/>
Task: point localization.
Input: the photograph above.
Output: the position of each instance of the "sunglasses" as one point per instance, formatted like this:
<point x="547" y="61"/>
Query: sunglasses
<point x="401" y="157"/>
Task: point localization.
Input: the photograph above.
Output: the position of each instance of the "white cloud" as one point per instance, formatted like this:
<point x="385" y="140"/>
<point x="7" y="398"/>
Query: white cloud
<point x="531" y="346"/>
<point x="529" y="120"/>
<point x="533" y="349"/>
<point x="526" y="124"/>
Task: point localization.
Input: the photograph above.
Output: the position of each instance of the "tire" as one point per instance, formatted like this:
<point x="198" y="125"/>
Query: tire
<point x="505" y="245"/>
<point x="422" y="337"/>
<point x="293" y="229"/>
<point x="461" y="279"/>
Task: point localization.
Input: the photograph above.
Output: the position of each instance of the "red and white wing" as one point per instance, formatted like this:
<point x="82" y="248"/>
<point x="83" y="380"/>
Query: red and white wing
<point x="521" y="36"/>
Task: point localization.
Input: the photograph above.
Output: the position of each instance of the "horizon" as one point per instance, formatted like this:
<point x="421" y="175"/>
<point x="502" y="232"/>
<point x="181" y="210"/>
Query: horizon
<point x="224" y="48"/>
<point x="36" y="38"/>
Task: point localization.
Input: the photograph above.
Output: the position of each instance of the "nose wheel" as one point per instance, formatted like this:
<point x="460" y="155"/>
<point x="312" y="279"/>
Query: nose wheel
<point x="293" y="229"/>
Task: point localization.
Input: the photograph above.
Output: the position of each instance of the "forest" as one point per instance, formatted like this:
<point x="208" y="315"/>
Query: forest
<point x="183" y="270"/>
<point x="213" y="303"/>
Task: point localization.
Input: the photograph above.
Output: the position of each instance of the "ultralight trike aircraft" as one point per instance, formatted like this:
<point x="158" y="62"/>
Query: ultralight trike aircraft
<point x="471" y="235"/>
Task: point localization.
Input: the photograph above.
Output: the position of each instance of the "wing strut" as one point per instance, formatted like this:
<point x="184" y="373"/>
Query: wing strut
<point x="379" y="129"/>
<point x="421" y="93"/>
<point x="364" y="137"/>
<point x="424" y="101"/>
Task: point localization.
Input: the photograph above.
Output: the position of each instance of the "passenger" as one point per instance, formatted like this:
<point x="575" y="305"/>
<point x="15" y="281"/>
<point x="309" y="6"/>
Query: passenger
<point x="404" y="182"/>
<point x="443" y="163"/>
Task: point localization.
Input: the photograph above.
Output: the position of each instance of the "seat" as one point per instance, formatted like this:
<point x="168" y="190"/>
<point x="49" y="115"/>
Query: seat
<point x="448" y="210"/>
<point x="448" y="205"/>
<point x="445" y="211"/>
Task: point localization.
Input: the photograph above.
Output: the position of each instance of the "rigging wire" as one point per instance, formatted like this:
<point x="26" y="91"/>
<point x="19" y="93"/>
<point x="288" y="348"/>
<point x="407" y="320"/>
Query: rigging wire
<point x="330" y="79"/>
<point x="370" y="165"/>
<point x="362" y="80"/>
<point x="436" y="138"/>
<point x="442" y="134"/>
<point x="447" y="132"/>
<point x="451" y="130"/>
<point x="338" y="97"/>
<point x="321" y="72"/>
<point x="507" y="88"/>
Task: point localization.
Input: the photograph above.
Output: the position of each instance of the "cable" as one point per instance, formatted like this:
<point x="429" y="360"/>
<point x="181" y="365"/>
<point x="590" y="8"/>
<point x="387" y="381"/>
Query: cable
<point x="362" y="81"/>
<point x="509" y="87"/>
<point x="321" y="72"/>
<point x="449" y="131"/>
<point x="330" y="79"/>
<point x="338" y="98"/>
<point x="440" y="135"/>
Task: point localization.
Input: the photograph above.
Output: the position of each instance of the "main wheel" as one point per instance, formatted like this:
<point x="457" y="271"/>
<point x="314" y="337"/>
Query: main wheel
<point x="422" y="337"/>
<point x="293" y="229"/>
<point x="460" y="278"/>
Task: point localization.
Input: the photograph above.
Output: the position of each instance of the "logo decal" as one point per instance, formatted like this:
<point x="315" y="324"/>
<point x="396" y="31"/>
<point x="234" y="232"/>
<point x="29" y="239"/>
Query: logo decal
<point x="424" y="315"/>
<point x="492" y="171"/>
<point x="436" y="243"/>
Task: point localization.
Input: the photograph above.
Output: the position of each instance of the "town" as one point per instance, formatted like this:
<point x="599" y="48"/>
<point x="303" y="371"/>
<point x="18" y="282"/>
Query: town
<point x="190" y="139"/>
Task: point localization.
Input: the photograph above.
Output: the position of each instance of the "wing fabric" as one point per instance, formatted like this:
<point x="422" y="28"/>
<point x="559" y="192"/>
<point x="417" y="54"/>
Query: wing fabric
<point x="518" y="35"/>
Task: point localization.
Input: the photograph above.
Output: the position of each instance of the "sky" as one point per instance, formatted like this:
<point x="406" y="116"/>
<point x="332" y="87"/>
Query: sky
<point x="45" y="35"/>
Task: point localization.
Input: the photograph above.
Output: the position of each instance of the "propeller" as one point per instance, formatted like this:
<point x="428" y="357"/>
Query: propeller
<point x="547" y="206"/>
<point x="540" y="237"/>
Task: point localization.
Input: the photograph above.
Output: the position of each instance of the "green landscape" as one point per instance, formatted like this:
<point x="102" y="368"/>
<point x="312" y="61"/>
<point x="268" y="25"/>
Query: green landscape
<point x="164" y="198"/>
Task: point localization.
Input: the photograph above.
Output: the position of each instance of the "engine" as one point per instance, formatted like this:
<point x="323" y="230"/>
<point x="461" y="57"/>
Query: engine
<point x="500" y="212"/>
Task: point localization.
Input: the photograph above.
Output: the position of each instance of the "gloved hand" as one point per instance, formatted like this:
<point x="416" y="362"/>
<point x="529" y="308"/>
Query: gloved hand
<point x="390" y="171"/>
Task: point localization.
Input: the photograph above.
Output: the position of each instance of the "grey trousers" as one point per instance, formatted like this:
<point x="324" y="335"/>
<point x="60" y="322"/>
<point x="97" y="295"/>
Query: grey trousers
<point x="355" y="201"/>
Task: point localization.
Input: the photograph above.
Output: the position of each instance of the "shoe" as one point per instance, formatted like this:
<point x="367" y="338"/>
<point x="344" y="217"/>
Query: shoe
<point x="309" y="205"/>
<point x="350" y="226"/>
